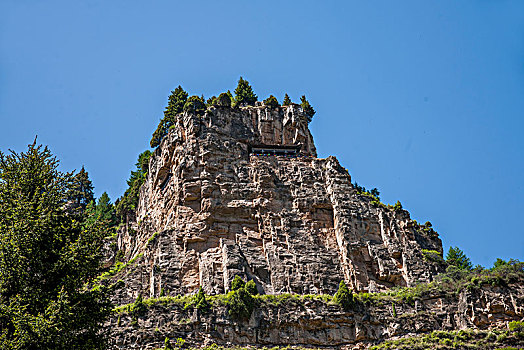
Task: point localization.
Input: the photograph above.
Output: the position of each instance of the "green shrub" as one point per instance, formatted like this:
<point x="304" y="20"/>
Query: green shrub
<point x="343" y="296"/>
<point x="433" y="256"/>
<point x="397" y="206"/>
<point x="138" y="309"/>
<point x="240" y="304"/>
<point x="517" y="327"/>
<point x="212" y="101"/>
<point x="195" y="104"/>
<point x="271" y="101"/>
<point x="237" y="283"/>
<point x="200" y="300"/>
<point x="224" y="100"/>
<point x="251" y="287"/>
<point x="167" y="344"/>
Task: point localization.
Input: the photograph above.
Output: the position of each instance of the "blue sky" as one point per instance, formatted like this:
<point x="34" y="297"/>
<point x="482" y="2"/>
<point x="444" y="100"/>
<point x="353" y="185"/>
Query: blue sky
<point x="422" y="99"/>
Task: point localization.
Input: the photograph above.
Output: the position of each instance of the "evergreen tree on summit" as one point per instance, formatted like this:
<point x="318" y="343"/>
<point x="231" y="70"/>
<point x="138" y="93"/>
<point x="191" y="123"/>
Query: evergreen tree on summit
<point x="244" y="94"/>
<point x="287" y="100"/>
<point x="175" y="105"/>
<point x="457" y="258"/>
<point x="308" y="109"/>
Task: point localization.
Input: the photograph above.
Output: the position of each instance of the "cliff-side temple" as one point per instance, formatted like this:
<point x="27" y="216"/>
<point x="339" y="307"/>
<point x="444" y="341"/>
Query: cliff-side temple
<point x="291" y="222"/>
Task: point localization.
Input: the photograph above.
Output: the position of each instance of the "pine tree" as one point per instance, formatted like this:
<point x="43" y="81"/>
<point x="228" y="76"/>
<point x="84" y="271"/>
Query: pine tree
<point x="287" y="101"/>
<point x="457" y="258"/>
<point x="176" y="102"/>
<point x="46" y="257"/>
<point x="175" y="105"/>
<point x="271" y="101"/>
<point x="143" y="161"/>
<point x="127" y="204"/>
<point x="80" y="192"/>
<point x="244" y="94"/>
<point x="233" y="102"/>
<point x="308" y="110"/>
<point x="105" y="211"/>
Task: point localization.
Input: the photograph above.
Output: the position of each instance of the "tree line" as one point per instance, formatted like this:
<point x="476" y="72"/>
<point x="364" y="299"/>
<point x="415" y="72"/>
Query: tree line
<point x="180" y="101"/>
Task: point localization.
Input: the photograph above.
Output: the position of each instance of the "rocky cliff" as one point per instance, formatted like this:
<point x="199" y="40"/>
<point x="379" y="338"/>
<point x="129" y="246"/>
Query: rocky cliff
<point x="240" y="191"/>
<point x="431" y="317"/>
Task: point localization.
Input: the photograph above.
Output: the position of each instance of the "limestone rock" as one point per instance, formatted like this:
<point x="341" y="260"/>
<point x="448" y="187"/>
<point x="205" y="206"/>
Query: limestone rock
<point x="214" y="205"/>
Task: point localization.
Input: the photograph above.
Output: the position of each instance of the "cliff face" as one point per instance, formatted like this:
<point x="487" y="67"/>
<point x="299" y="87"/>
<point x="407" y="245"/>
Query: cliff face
<point x="313" y="322"/>
<point x="214" y="206"/>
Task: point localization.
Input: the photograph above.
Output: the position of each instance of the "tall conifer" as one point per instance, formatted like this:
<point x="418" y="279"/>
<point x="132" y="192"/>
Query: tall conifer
<point x="244" y="94"/>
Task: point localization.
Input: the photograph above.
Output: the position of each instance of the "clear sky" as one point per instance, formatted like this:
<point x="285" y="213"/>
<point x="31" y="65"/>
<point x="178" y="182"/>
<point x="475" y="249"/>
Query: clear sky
<point x="422" y="99"/>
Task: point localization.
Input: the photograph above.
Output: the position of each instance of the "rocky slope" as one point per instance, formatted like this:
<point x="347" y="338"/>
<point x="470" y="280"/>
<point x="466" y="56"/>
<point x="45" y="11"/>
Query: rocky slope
<point x="316" y="322"/>
<point x="214" y="206"/>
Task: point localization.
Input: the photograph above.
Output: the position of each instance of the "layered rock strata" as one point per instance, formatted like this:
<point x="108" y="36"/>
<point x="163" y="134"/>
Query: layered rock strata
<point x="213" y="208"/>
<point x="315" y="323"/>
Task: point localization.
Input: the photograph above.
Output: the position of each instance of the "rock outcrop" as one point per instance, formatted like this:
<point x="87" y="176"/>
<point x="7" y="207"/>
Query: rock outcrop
<point x="240" y="191"/>
<point x="313" y="322"/>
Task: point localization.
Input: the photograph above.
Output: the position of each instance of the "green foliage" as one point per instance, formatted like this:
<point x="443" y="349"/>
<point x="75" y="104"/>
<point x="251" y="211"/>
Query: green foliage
<point x="195" y="104"/>
<point x="175" y="105"/>
<point x="142" y="163"/>
<point x="374" y="192"/>
<point x="115" y="269"/>
<point x="517" y="327"/>
<point x="397" y="206"/>
<point x="444" y="340"/>
<point x="244" y="94"/>
<point x="457" y="258"/>
<point x="138" y="309"/>
<point x="105" y="211"/>
<point x="167" y="344"/>
<point x="233" y="102"/>
<point x="433" y="256"/>
<point x="251" y="287"/>
<point x="46" y="256"/>
<point x="200" y="300"/>
<point x="237" y="283"/>
<point x="80" y="192"/>
<point x="393" y="309"/>
<point x="343" y="296"/>
<point x="271" y="101"/>
<point x="240" y="304"/>
<point x="308" y="109"/>
<point x="128" y="203"/>
<point x="224" y="99"/>
<point x="212" y="101"/>
<point x="287" y="100"/>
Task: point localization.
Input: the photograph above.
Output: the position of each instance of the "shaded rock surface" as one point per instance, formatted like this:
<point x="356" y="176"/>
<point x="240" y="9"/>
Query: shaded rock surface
<point x="211" y="209"/>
